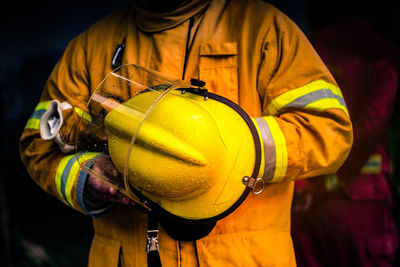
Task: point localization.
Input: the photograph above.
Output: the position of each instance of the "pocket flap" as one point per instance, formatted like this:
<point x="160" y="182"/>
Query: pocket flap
<point x="222" y="49"/>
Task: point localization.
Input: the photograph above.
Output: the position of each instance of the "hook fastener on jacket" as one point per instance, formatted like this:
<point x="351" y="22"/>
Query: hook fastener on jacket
<point x="256" y="184"/>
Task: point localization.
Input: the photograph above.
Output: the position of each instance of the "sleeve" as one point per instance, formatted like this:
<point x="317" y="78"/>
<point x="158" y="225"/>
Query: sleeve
<point x="305" y="128"/>
<point x="62" y="174"/>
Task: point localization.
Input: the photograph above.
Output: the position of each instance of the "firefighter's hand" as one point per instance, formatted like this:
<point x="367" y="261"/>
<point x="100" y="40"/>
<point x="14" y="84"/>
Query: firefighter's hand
<point x="99" y="190"/>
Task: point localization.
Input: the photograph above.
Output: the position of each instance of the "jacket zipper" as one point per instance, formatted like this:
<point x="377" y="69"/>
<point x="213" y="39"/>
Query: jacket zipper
<point x="191" y="23"/>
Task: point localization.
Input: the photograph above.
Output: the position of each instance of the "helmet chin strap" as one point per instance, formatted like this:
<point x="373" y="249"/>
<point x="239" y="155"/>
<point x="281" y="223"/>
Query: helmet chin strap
<point x="153" y="256"/>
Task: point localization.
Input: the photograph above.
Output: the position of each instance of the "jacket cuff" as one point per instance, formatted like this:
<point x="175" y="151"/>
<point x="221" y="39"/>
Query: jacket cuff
<point x="70" y="180"/>
<point x="274" y="159"/>
<point x="95" y="209"/>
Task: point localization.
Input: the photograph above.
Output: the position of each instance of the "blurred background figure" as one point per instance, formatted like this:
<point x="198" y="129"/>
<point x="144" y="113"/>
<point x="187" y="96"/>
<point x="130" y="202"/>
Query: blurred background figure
<point x="349" y="218"/>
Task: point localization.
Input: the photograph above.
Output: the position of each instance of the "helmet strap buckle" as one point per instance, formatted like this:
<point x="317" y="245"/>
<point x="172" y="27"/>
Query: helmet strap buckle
<point x="153" y="257"/>
<point x="152" y="241"/>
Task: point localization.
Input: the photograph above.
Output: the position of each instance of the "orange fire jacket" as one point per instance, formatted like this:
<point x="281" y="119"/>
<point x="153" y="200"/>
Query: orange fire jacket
<point x="247" y="51"/>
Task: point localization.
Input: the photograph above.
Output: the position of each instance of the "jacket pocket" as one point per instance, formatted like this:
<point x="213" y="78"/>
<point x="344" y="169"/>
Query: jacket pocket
<point x="218" y="67"/>
<point x="104" y="252"/>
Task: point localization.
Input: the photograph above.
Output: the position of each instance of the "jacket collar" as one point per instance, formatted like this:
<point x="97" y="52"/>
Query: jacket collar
<point x="148" y="21"/>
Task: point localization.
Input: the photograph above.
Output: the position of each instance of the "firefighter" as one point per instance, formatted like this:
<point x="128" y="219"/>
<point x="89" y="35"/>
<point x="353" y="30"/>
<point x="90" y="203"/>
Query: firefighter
<point x="349" y="218"/>
<point x="245" y="51"/>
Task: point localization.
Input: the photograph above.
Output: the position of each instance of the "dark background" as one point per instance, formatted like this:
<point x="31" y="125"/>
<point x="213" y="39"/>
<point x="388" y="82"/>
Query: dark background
<point x="36" y="229"/>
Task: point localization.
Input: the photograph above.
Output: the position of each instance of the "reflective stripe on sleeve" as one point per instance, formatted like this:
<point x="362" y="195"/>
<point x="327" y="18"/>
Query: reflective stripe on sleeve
<point x="34" y="120"/>
<point x="68" y="171"/>
<point x="318" y="95"/>
<point x="373" y="165"/>
<point x="83" y="114"/>
<point x="42" y="107"/>
<point x="331" y="182"/>
<point x="274" y="149"/>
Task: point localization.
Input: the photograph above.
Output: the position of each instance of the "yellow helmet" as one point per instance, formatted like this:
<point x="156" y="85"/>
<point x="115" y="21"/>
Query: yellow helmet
<point x="185" y="153"/>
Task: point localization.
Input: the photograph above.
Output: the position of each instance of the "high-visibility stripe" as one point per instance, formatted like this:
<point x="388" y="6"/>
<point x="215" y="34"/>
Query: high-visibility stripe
<point x="66" y="175"/>
<point x="74" y="172"/>
<point x="280" y="151"/>
<point x="275" y="151"/>
<point x="34" y="120"/>
<point x="267" y="147"/>
<point x="67" y="172"/>
<point x="309" y="97"/>
<point x="373" y="165"/>
<point x="32" y="124"/>
<point x="81" y="113"/>
<point x="59" y="173"/>
<point x="331" y="182"/>
<point x="323" y="104"/>
<point x="37" y="114"/>
<point x="42" y="107"/>
<point x="304" y="100"/>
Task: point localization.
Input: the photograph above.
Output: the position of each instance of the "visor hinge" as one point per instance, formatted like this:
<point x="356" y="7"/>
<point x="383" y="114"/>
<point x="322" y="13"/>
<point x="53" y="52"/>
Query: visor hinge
<point x="152" y="240"/>
<point x="256" y="184"/>
<point x="197" y="82"/>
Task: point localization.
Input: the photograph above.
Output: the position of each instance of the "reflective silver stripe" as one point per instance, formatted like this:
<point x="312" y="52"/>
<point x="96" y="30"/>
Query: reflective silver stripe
<point x="37" y="114"/>
<point x="68" y="171"/>
<point x="373" y="165"/>
<point x="65" y="176"/>
<point x="316" y="101"/>
<point x="314" y="96"/>
<point x="40" y="109"/>
<point x="269" y="149"/>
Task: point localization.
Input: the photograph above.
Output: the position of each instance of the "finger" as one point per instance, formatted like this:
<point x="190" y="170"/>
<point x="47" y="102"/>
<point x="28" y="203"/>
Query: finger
<point x="118" y="198"/>
<point x="112" y="191"/>
<point x="106" y="192"/>
<point x="96" y="184"/>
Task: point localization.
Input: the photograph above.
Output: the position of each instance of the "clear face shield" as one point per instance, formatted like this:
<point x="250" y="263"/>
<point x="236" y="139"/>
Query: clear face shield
<point x="110" y="118"/>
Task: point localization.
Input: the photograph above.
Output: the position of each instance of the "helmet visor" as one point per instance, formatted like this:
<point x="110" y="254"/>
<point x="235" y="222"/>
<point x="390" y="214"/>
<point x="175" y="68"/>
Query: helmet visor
<point x="111" y="121"/>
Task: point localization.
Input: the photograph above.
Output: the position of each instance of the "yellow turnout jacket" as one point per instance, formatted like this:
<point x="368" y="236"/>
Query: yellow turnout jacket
<point x="247" y="51"/>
